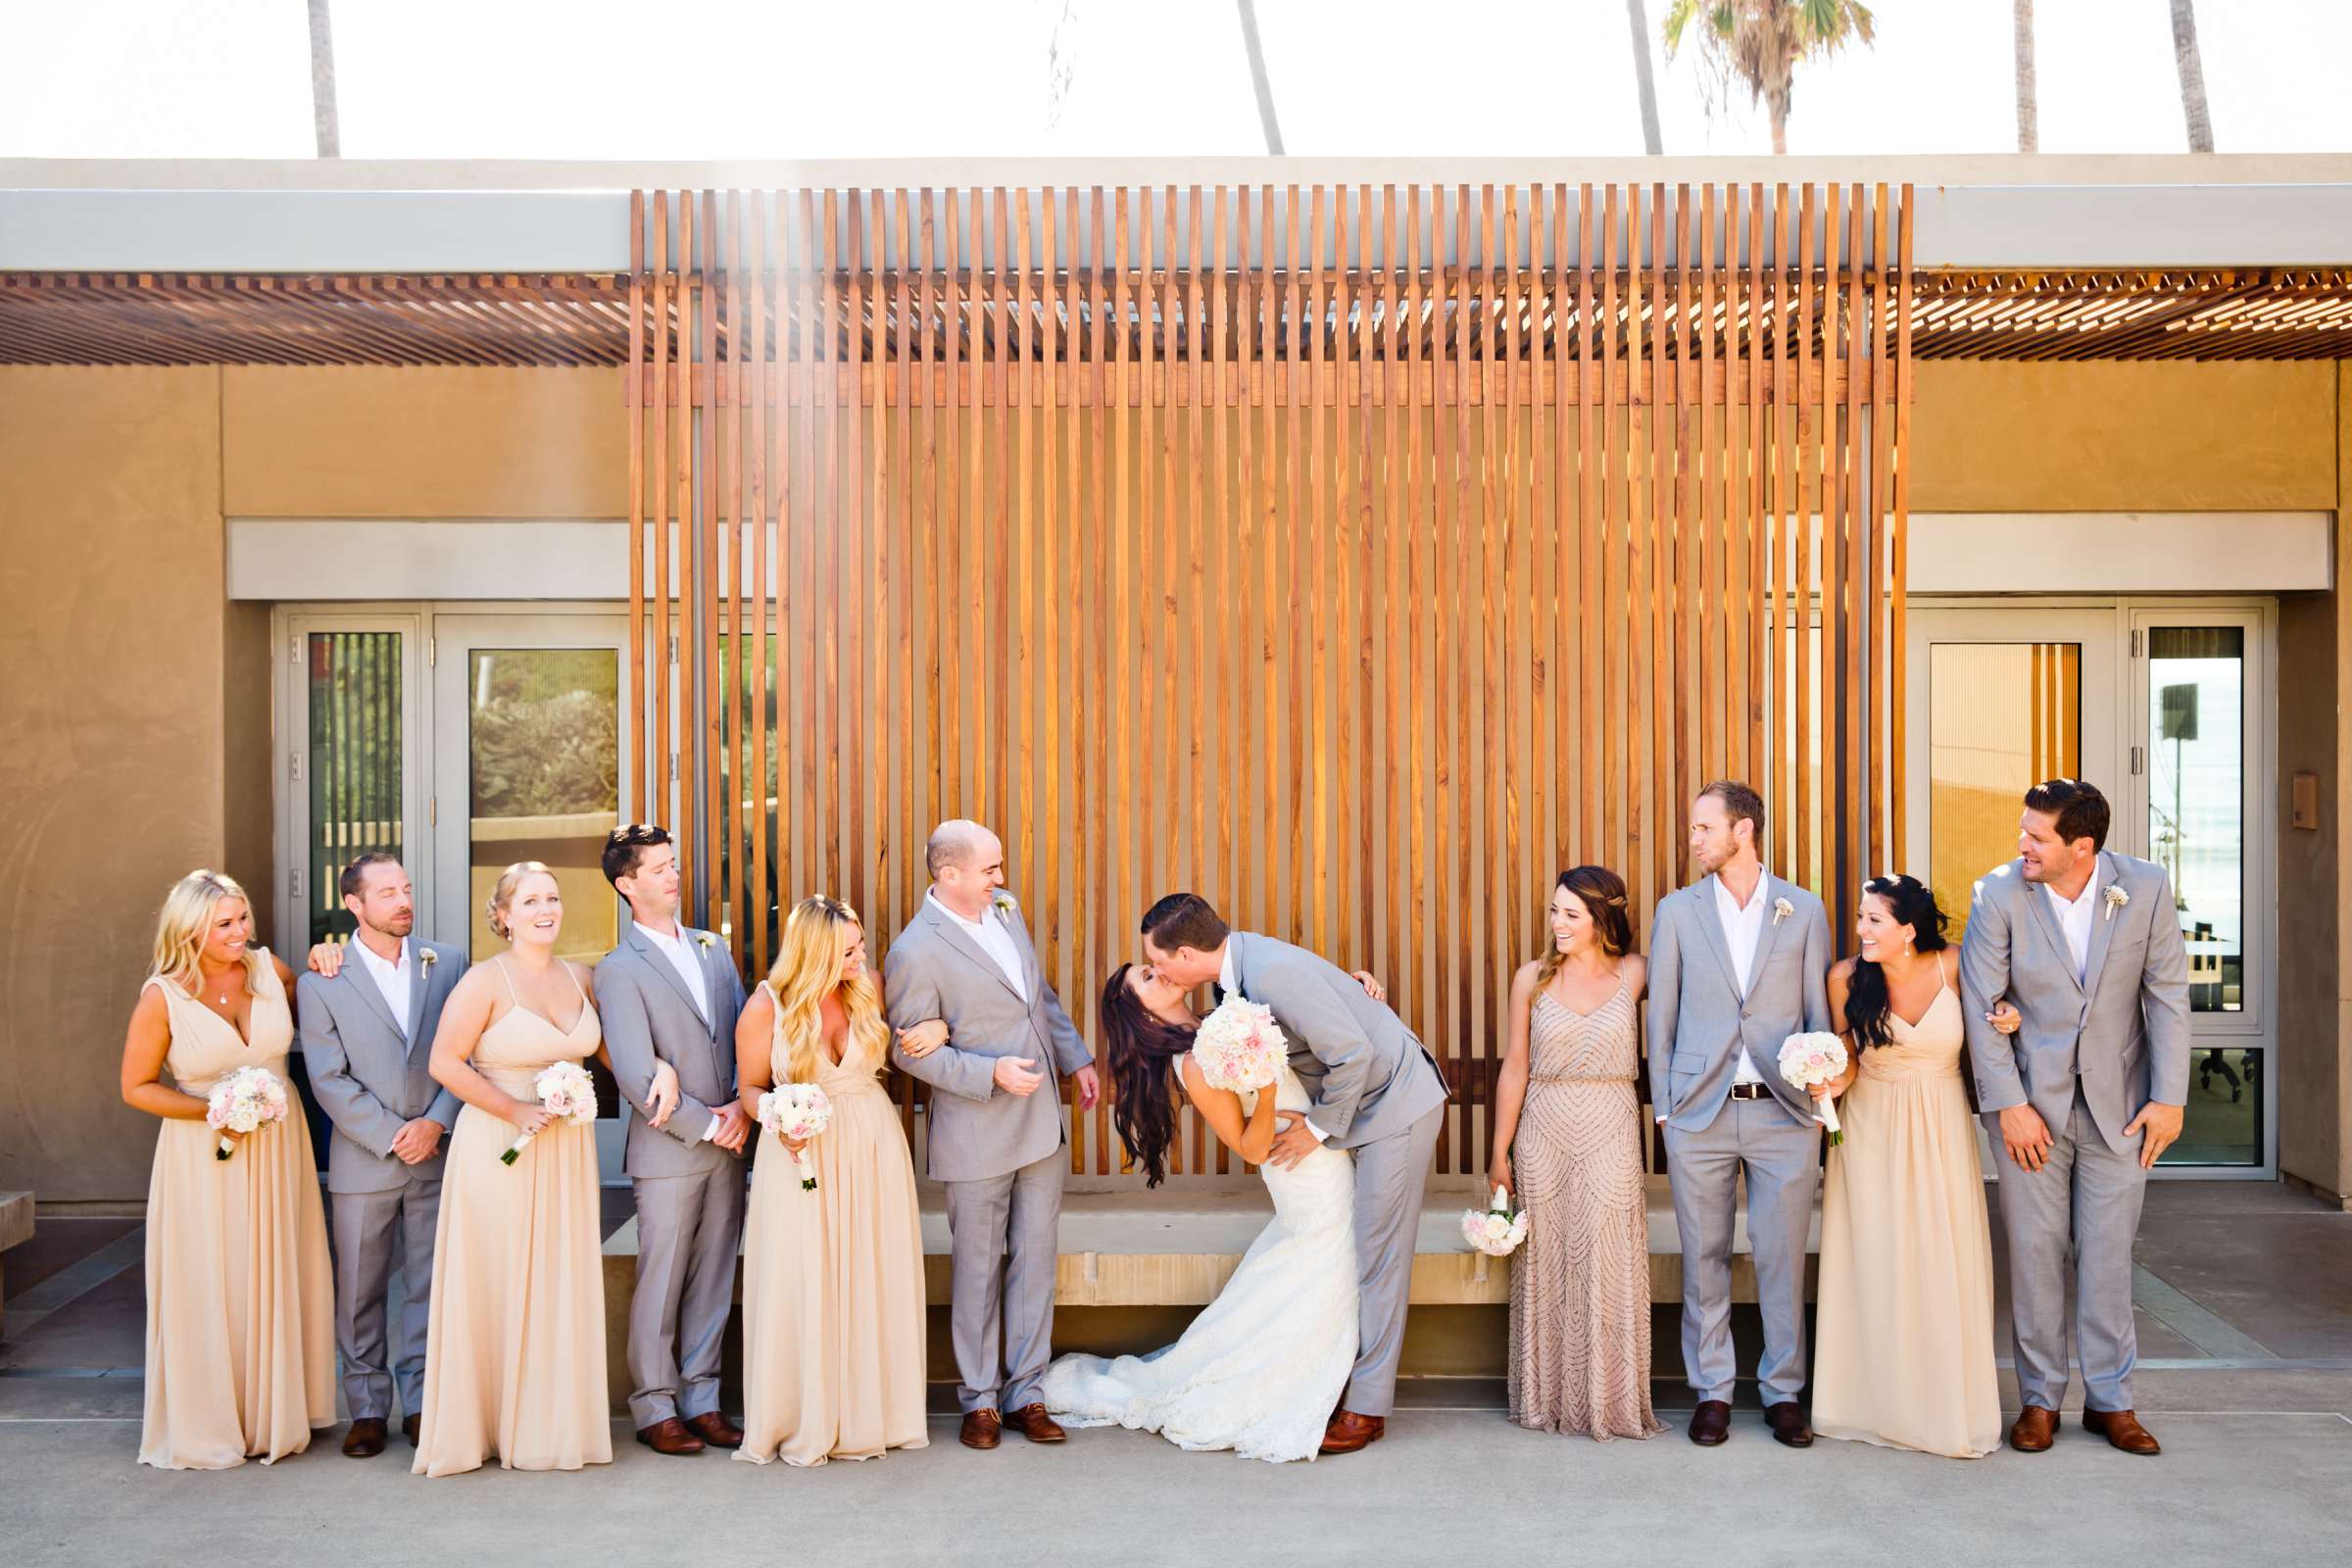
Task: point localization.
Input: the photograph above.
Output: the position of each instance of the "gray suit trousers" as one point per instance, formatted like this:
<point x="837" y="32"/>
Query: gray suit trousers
<point x="1003" y="1237"/>
<point x="1390" y="1173"/>
<point x="2084" y="1200"/>
<point x="373" y="1230"/>
<point x="1781" y="1156"/>
<point x="689" y="1231"/>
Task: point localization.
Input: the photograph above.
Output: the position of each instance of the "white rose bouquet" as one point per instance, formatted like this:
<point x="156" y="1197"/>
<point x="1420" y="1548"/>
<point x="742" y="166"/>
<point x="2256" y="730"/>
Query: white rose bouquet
<point x="797" y="1112"/>
<point x="1813" y="1058"/>
<point x="1494" y="1230"/>
<point x="248" y="1100"/>
<point x="1239" y="1046"/>
<point x="564" y="1091"/>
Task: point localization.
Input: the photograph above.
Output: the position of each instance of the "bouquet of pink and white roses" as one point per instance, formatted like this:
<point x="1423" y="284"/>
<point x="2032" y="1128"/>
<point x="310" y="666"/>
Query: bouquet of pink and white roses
<point x="1813" y="1058"/>
<point x="248" y="1100"/>
<point x="796" y="1113"/>
<point x="566" y="1093"/>
<point x="1495" y="1230"/>
<point x="1239" y="1046"/>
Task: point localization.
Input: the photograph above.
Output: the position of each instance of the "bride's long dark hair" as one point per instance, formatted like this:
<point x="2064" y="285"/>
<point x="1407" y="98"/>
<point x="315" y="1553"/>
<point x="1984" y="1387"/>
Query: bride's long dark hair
<point x="1140" y="1048"/>
<point x="1909" y="902"/>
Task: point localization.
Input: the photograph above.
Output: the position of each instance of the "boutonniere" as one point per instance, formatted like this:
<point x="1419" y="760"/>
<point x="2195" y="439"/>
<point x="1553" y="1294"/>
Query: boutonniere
<point x="1782" y="909"/>
<point x="2117" y="898"/>
<point x="1003" y="901"/>
<point x="704" y="941"/>
<point x="426" y="958"/>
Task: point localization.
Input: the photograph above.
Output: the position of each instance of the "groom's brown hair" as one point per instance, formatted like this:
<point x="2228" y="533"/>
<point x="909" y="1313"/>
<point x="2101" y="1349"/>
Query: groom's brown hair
<point x="1185" y="920"/>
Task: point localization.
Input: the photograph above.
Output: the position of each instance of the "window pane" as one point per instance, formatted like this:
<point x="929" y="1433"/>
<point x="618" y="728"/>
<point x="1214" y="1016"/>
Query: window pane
<point x="544" y="737"/>
<point x="2001" y="717"/>
<point x="2197" y="797"/>
<point x="2224" y="1121"/>
<point x="353" y="764"/>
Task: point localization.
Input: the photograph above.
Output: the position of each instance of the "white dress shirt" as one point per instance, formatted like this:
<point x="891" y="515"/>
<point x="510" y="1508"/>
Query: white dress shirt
<point x="1226" y="985"/>
<point x="1742" y="930"/>
<point x="391" y="979"/>
<point x="680" y="955"/>
<point x="994" y="940"/>
<point x="2074" y="918"/>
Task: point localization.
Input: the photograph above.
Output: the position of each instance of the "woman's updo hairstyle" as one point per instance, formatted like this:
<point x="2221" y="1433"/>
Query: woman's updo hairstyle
<point x="501" y="895"/>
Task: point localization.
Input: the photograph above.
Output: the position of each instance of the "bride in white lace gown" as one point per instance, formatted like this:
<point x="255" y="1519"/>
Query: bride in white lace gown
<point x="1261" y="1368"/>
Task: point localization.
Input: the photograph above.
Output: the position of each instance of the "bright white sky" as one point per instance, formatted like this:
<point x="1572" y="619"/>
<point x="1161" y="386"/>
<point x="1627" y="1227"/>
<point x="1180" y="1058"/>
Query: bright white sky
<point x="610" y="80"/>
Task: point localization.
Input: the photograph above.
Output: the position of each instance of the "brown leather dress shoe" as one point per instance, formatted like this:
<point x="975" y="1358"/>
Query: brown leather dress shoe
<point x="716" y="1430"/>
<point x="2035" y="1429"/>
<point x="1348" y="1432"/>
<point x="669" y="1437"/>
<point x="1032" y="1422"/>
<point x="1711" y="1423"/>
<point x="365" y="1439"/>
<point x="2122" y="1429"/>
<point x="1788" y="1423"/>
<point x="410" y="1426"/>
<point x="982" y="1429"/>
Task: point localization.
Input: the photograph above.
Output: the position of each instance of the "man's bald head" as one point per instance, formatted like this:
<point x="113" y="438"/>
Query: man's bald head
<point x="966" y="862"/>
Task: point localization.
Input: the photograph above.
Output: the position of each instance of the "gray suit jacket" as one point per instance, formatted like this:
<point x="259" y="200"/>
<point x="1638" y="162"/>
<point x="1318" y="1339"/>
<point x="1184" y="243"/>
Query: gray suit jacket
<point x="2123" y="1031"/>
<point x="369" y="1074"/>
<point x="1367" y="1075"/>
<point x="1698" y="1018"/>
<point x="649" y="1016"/>
<point x="936" y="970"/>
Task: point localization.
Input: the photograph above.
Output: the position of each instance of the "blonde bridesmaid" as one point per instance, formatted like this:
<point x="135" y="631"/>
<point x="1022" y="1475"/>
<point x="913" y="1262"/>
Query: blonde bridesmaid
<point x="1903" y="1343"/>
<point x="240" y="1296"/>
<point x="833" y="1279"/>
<point x="515" y="1339"/>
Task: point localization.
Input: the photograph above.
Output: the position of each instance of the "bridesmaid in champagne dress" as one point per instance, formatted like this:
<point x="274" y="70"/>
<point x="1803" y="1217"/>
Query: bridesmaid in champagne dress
<point x="833" y="1279"/>
<point x="1568" y="1140"/>
<point x="240" y="1295"/>
<point x="514" y="1337"/>
<point x="1903" y="1345"/>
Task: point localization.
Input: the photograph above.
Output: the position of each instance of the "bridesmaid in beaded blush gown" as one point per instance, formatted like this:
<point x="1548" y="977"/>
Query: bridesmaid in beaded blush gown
<point x="1568" y="1142"/>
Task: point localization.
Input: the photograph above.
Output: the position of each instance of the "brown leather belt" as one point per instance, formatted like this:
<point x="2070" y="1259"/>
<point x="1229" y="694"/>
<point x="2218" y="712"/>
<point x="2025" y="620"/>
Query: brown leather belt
<point x="1750" y="1092"/>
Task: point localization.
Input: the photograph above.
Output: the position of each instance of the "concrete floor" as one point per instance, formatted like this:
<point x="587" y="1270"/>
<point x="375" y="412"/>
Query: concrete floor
<point x="2245" y="1297"/>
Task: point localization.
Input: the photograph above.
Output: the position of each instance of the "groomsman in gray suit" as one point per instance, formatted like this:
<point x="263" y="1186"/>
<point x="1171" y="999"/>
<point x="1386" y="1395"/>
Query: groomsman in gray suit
<point x="669" y="993"/>
<point x="366" y="1035"/>
<point x="996" y="1128"/>
<point x="1375" y="1092"/>
<point x="2086" y="944"/>
<point x="1737" y="963"/>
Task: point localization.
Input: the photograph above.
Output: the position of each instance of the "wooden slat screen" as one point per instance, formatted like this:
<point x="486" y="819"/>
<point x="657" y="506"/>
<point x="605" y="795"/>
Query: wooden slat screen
<point x="1359" y="557"/>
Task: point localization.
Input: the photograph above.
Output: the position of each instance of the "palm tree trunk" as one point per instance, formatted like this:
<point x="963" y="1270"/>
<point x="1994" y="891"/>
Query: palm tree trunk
<point x="1637" y="17"/>
<point x="1257" y="79"/>
<point x="2191" y="67"/>
<point x="1780" y="133"/>
<point x="322" y="83"/>
<point x="2029" y="100"/>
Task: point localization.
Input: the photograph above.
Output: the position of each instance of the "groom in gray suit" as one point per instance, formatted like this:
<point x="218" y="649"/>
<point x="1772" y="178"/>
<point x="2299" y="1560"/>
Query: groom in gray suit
<point x="1376" y="1092"/>
<point x="2086" y="944"/>
<point x="669" y="993"/>
<point x="1737" y="963"/>
<point x="996" y="1140"/>
<point x="367" y="1034"/>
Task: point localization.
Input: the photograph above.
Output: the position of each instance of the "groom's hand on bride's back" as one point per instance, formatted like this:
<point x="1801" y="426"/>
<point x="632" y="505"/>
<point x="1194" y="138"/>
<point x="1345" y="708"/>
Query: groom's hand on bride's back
<point x="1018" y="1075"/>
<point x="1293" y="1143"/>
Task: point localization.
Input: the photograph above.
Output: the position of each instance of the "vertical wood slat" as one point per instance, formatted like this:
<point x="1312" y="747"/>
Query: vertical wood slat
<point x="1370" y="705"/>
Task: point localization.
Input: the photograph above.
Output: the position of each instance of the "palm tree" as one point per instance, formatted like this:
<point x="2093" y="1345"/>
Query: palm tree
<point x="1637" y="16"/>
<point x="1759" y="43"/>
<point x="1257" y="79"/>
<point x="2191" y="67"/>
<point x="2028" y="102"/>
<point x="322" y="83"/>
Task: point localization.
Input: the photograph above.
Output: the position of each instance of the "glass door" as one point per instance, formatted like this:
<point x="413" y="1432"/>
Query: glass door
<point x="529" y="749"/>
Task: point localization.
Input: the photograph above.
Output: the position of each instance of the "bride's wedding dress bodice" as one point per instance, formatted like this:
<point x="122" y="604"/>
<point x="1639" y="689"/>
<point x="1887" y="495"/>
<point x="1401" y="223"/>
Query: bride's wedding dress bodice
<point x="1261" y="1368"/>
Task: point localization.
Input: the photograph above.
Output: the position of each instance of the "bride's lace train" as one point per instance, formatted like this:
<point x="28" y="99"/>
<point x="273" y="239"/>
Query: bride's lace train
<point x="1261" y="1368"/>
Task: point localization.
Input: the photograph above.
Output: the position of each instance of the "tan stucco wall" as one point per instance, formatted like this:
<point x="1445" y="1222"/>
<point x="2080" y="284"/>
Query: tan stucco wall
<point x="2153" y="436"/>
<point x="374" y="442"/>
<point x="111" y="740"/>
